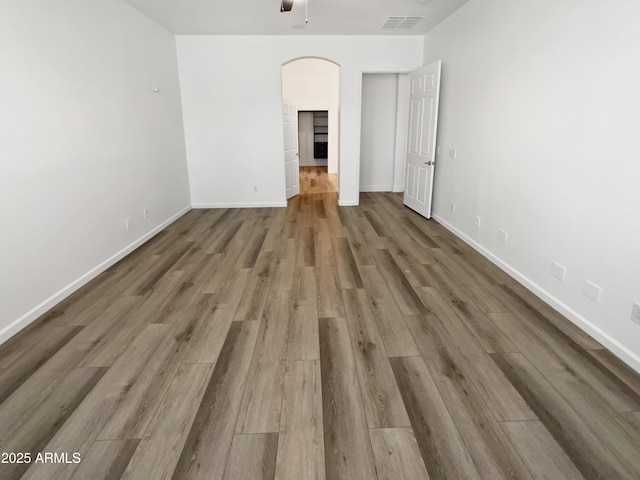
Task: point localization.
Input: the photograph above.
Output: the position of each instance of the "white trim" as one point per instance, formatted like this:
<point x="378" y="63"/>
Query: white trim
<point x="348" y="204"/>
<point x="17" y="325"/>
<point x="239" y="205"/>
<point x="398" y="188"/>
<point x="376" y="188"/>
<point x="622" y="352"/>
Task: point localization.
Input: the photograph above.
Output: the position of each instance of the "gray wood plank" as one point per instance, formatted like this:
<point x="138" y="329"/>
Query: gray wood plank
<point x="594" y="394"/>
<point x="252" y="457"/>
<point x="257" y="289"/>
<point x="412" y="267"/>
<point x="83" y="426"/>
<point x="148" y="280"/>
<point x="249" y="256"/>
<point x="527" y="302"/>
<point x="300" y="442"/>
<point x="540" y="452"/>
<point x="490" y="449"/>
<point x="382" y="401"/>
<point x="348" y="274"/>
<point x="594" y="457"/>
<point x="633" y="418"/>
<point x="39" y="428"/>
<point x="106" y="460"/>
<point x="377" y="224"/>
<point x="105" y="353"/>
<point x="34" y="346"/>
<point x="305" y="247"/>
<point x="35" y="390"/>
<point x="262" y="399"/>
<point x="209" y="334"/>
<point x="443" y="450"/>
<point x="491" y="338"/>
<point x="225" y="266"/>
<point x="360" y="249"/>
<point x="284" y="265"/>
<point x="612" y="366"/>
<point x="135" y="412"/>
<point x="329" y="296"/>
<point x="397" y="454"/>
<point x="303" y="343"/>
<point x="499" y="395"/>
<point x="158" y="452"/>
<point x="31" y="359"/>
<point x="322" y="236"/>
<point x="395" y="334"/>
<point x="347" y="447"/>
<point x="402" y="291"/>
<point x="209" y="440"/>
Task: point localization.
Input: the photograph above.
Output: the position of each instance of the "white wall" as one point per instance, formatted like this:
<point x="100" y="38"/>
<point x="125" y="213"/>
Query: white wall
<point x="231" y="94"/>
<point x="378" y="131"/>
<point x="541" y="101"/>
<point x="84" y="143"/>
<point x="314" y="84"/>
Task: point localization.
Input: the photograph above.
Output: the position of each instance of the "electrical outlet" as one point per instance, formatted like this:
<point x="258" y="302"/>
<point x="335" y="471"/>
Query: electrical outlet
<point x="453" y="207"/>
<point x="127" y="223"/>
<point x="478" y="221"/>
<point x="635" y="312"/>
<point x="145" y="213"/>
<point x="452" y="153"/>
<point x="502" y="235"/>
<point x="558" y="271"/>
<point x="591" y="290"/>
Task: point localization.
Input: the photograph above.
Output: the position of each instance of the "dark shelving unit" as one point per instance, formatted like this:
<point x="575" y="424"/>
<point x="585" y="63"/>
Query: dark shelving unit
<point x="320" y="134"/>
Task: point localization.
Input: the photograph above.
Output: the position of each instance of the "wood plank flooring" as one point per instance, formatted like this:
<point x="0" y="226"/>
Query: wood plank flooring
<point x="313" y="342"/>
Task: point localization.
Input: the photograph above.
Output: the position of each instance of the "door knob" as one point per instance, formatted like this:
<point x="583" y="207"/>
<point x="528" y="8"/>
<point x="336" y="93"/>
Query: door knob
<point x="428" y="163"/>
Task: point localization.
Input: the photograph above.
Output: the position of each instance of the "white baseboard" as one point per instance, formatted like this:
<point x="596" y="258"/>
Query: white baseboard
<point x="17" y="325"/>
<point x="239" y="205"/>
<point x="622" y="352"/>
<point x="398" y="188"/>
<point x="376" y="188"/>
<point x="348" y="203"/>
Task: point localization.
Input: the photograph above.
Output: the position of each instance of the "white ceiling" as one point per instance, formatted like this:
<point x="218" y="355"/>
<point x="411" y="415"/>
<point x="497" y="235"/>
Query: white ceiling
<point x="263" y="17"/>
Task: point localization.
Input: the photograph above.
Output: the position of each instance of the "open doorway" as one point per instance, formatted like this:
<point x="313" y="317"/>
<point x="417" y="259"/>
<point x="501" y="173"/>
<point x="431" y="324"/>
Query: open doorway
<point x="383" y="132"/>
<point x="313" y="138"/>
<point x="311" y="88"/>
<point x="313" y="144"/>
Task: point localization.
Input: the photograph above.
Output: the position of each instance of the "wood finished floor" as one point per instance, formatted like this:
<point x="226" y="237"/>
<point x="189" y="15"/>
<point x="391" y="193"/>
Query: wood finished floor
<point x="314" y="342"/>
<point x="317" y="180"/>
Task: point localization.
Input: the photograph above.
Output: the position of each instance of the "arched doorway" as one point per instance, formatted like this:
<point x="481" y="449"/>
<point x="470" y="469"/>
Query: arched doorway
<point x="311" y="100"/>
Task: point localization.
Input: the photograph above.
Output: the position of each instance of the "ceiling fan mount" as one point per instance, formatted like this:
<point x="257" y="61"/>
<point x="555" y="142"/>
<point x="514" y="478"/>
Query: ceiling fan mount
<point x="286" y="5"/>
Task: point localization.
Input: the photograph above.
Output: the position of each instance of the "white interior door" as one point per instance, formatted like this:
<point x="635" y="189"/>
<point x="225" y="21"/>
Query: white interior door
<point x="424" y="89"/>
<point x="291" y="158"/>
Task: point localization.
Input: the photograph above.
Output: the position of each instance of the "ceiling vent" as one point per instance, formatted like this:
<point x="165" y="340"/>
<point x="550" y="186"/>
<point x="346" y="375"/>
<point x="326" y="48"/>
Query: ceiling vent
<point x="401" y="22"/>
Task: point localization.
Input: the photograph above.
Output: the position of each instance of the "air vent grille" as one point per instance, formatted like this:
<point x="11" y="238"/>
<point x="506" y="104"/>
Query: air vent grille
<point x="401" y="22"/>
